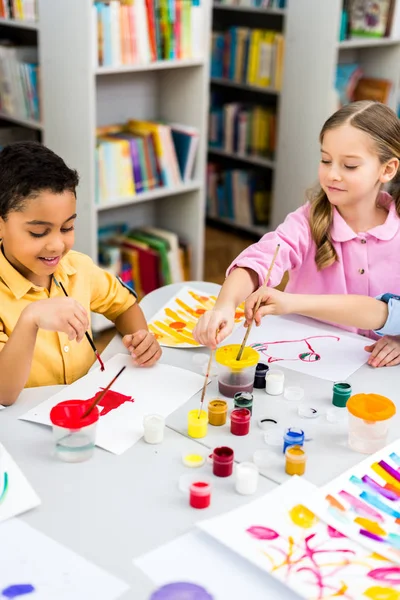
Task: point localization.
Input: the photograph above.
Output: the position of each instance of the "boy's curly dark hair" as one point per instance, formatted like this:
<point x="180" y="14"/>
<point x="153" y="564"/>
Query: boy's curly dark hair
<point x="26" y="169"/>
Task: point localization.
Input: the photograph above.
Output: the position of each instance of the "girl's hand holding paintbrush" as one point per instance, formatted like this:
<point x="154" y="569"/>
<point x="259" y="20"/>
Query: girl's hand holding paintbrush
<point x="272" y="302"/>
<point x="143" y="347"/>
<point x="59" y="314"/>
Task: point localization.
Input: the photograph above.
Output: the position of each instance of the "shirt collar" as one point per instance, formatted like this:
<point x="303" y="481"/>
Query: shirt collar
<point x="341" y="232"/>
<point x="18" y="284"/>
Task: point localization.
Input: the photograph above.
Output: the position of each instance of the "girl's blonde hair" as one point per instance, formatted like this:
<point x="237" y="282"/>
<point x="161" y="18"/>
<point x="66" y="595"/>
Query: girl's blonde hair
<point x="383" y="127"/>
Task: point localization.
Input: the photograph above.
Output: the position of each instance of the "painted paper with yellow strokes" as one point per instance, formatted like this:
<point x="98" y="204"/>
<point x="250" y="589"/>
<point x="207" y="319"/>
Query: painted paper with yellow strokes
<point x="173" y="325"/>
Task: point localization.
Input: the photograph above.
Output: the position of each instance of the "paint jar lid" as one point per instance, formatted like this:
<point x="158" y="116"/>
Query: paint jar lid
<point x="186" y="480"/>
<point x="371" y="407"/>
<point x="193" y="459"/>
<point x="217" y="406"/>
<point x="292" y="434"/>
<point x="226" y="356"/>
<point x="295" y="454"/>
<point x="68" y="414"/>
<point x="181" y="591"/>
<point x="293" y="393"/>
<point x="266" y="422"/>
<point x="308" y="412"/>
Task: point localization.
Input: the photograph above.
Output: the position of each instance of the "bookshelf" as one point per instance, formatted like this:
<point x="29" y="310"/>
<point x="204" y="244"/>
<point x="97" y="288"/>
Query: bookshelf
<point x="307" y="96"/>
<point x="78" y="96"/>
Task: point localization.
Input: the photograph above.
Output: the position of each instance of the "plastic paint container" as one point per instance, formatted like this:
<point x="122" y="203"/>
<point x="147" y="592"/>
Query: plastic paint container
<point x="243" y="400"/>
<point x="181" y="591"/>
<point x="200" y="494"/>
<point x="74" y="436"/>
<point x="259" y="378"/>
<point x="153" y="426"/>
<point x="295" y="460"/>
<point x="341" y="393"/>
<point x="223" y="461"/>
<point x="197" y="423"/>
<point x="240" y="421"/>
<point x="246" y="478"/>
<point x="193" y="459"/>
<point x="274" y="382"/>
<point x="236" y="375"/>
<point x="369" y="420"/>
<point x="293" y="437"/>
<point x="217" y="412"/>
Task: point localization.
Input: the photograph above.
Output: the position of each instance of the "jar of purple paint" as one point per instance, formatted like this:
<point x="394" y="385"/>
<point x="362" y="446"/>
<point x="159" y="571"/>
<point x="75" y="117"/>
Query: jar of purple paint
<point x="181" y="591"/>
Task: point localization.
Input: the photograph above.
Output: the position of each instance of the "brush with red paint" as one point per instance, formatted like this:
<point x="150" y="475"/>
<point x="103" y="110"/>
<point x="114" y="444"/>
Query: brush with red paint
<point x="89" y="339"/>
<point x="103" y="393"/>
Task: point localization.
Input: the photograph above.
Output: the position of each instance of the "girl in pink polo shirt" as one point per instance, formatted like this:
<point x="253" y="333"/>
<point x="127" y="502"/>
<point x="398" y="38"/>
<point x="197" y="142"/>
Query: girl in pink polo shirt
<point x="344" y="240"/>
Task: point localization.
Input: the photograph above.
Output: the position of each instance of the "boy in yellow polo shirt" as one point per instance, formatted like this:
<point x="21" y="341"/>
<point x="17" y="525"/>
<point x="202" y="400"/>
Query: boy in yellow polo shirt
<point x="41" y="331"/>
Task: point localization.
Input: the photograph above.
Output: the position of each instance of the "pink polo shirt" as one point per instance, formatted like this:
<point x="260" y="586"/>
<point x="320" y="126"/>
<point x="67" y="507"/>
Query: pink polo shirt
<point x="369" y="263"/>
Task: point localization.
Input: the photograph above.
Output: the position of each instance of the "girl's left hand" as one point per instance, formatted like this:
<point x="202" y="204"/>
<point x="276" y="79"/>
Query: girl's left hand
<point x="385" y="352"/>
<point x="143" y="347"/>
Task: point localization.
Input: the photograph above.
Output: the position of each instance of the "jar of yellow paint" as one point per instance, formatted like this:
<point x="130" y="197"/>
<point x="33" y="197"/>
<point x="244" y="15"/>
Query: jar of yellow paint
<point x="197" y="423"/>
<point x="295" y="460"/>
<point x="217" y="411"/>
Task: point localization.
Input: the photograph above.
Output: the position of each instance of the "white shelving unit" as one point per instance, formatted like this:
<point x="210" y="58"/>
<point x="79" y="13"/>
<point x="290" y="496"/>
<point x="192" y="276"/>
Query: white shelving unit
<point x="307" y="99"/>
<point x="78" y="96"/>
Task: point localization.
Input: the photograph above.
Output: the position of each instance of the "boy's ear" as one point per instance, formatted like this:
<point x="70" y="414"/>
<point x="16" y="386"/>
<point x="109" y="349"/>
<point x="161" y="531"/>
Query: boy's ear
<point x="390" y="170"/>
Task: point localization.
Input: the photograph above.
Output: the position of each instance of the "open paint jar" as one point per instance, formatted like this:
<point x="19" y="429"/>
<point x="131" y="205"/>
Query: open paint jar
<point x="295" y="460"/>
<point x="181" y="591"/>
<point x="236" y="375"/>
<point x="197" y="423"/>
<point x="217" y="412"/>
<point x="223" y="461"/>
<point x="74" y="436"/>
<point x="369" y="420"/>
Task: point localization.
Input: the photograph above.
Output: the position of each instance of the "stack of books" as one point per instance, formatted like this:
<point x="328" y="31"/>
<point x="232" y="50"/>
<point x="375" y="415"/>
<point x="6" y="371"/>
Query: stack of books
<point x="242" y="196"/>
<point x="25" y="10"/>
<point x="351" y="85"/>
<point x="145" y="258"/>
<point x="247" y="130"/>
<point x="250" y="56"/>
<point x="19" y="81"/>
<point x="147" y="30"/>
<point x="140" y="156"/>
<point x="253" y="3"/>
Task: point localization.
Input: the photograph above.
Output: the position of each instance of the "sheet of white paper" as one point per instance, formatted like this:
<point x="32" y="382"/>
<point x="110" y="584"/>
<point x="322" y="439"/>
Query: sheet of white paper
<point x="29" y="558"/>
<point x="197" y="558"/>
<point x="306" y="346"/>
<point x="282" y="536"/>
<point x="16" y="494"/>
<point x="161" y="389"/>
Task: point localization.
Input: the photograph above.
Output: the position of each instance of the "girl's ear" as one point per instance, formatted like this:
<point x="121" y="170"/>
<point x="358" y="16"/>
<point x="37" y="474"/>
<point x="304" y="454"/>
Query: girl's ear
<point x="390" y="169"/>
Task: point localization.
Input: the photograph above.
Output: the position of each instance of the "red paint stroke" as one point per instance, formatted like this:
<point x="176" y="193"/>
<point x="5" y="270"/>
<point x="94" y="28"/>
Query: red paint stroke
<point x="200" y="311"/>
<point x="389" y="575"/>
<point x="177" y="325"/>
<point x="262" y="533"/>
<point x="310" y="356"/>
<point x="334" y="533"/>
<point x="111" y="401"/>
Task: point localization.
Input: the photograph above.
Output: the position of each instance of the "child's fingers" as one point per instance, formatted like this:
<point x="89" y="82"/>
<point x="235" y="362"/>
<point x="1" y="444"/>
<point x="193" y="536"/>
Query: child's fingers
<point x="394" y="362"/>
<point x="143" y="346"/>
<point x="127" y="341"/>
<point x="390" y="357"/>
<point x="378" y="354"/>
<point x="149" y="358"/>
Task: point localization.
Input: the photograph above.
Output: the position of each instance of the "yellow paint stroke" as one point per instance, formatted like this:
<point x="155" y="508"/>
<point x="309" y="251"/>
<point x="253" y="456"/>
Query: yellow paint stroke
<point x="172" y="334"/>
<point x="385" y="476"/>
<point x="341" y="591"/>
<point x="376" y="556"/>
<point x="371" y="526"/>
<point x="382" y="593"/>
<point x="302" y="516"/>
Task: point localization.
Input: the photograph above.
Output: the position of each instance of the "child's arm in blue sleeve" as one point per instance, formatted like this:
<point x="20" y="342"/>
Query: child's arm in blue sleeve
<point x="392" y="325"/>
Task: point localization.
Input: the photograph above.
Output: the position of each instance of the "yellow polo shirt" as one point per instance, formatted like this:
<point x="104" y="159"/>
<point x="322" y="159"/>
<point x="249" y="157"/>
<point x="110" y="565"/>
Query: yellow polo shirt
<point x="56" y="359"/>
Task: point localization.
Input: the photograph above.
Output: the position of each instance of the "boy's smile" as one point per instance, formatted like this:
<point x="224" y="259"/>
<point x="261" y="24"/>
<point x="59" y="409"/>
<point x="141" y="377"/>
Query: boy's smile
<point x="35" y="239"/>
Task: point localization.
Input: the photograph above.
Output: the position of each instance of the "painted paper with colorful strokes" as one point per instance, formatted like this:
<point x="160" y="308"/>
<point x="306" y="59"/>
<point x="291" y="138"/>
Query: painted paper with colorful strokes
<point x="173" y="325"/>
<point x="364" y="502"/>
<point x="282" y="536"/>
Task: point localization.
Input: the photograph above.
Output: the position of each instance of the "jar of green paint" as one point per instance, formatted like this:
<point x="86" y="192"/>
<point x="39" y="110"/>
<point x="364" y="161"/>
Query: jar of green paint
<point x="341" y="393"/>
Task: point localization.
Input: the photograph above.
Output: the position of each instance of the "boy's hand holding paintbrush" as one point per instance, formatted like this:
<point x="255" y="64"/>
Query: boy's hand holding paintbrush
<point x="143" y="348"/>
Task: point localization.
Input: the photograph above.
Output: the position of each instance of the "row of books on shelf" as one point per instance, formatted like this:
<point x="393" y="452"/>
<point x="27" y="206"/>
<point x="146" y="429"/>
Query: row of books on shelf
<point x="370" y="18"/>
<point x="252" y="56"/>
<point x="243" y="129"/>
<point x="147" y="30"/>
<point x="240" y="195"/>
<point x="145" y="258"/>
<point x="253" y="3"/>
<point x="19" y="81"/>
<point x="25" y="10"/>
<point x="351" y="85"/>
<point x="143" y="155"/>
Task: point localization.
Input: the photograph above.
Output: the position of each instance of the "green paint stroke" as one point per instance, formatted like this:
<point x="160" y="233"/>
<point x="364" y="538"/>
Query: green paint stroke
<point x="5" y="487"/>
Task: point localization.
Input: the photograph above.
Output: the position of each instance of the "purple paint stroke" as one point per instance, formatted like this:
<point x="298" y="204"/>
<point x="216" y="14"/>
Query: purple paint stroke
<point x="371" y="536"/>
<point x="379" y="489"/>
<point x="390" y="575"/>
<point x="262" y="533"/>
<point x="17" y="590"/>
<point x="389" y="470"/>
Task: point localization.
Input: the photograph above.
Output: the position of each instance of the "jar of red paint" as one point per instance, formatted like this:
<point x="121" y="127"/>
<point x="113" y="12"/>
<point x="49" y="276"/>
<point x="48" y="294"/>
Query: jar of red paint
<point x="200" y="494"/>
<point x="223" y="461"/>
<point x="240" y="421"/>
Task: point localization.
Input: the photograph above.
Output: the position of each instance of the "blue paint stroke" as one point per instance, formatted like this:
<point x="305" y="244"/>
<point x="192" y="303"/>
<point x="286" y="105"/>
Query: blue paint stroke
<point x="394" y="540"/>
<point x="370" y="485"/>
<point x="373" y="500"/>
<point x="339" y="515"/>
<point x="5" y="487"/>
<point x="395" y="458"/>
<point x="17" y="590"/>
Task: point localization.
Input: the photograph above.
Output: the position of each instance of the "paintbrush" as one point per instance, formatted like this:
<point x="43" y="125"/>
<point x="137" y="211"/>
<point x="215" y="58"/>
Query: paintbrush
<point x="89" y="339"/>
<point x="203" y="393"/>
<point x="242" y="347"/>
<point x="103" y="393"/>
